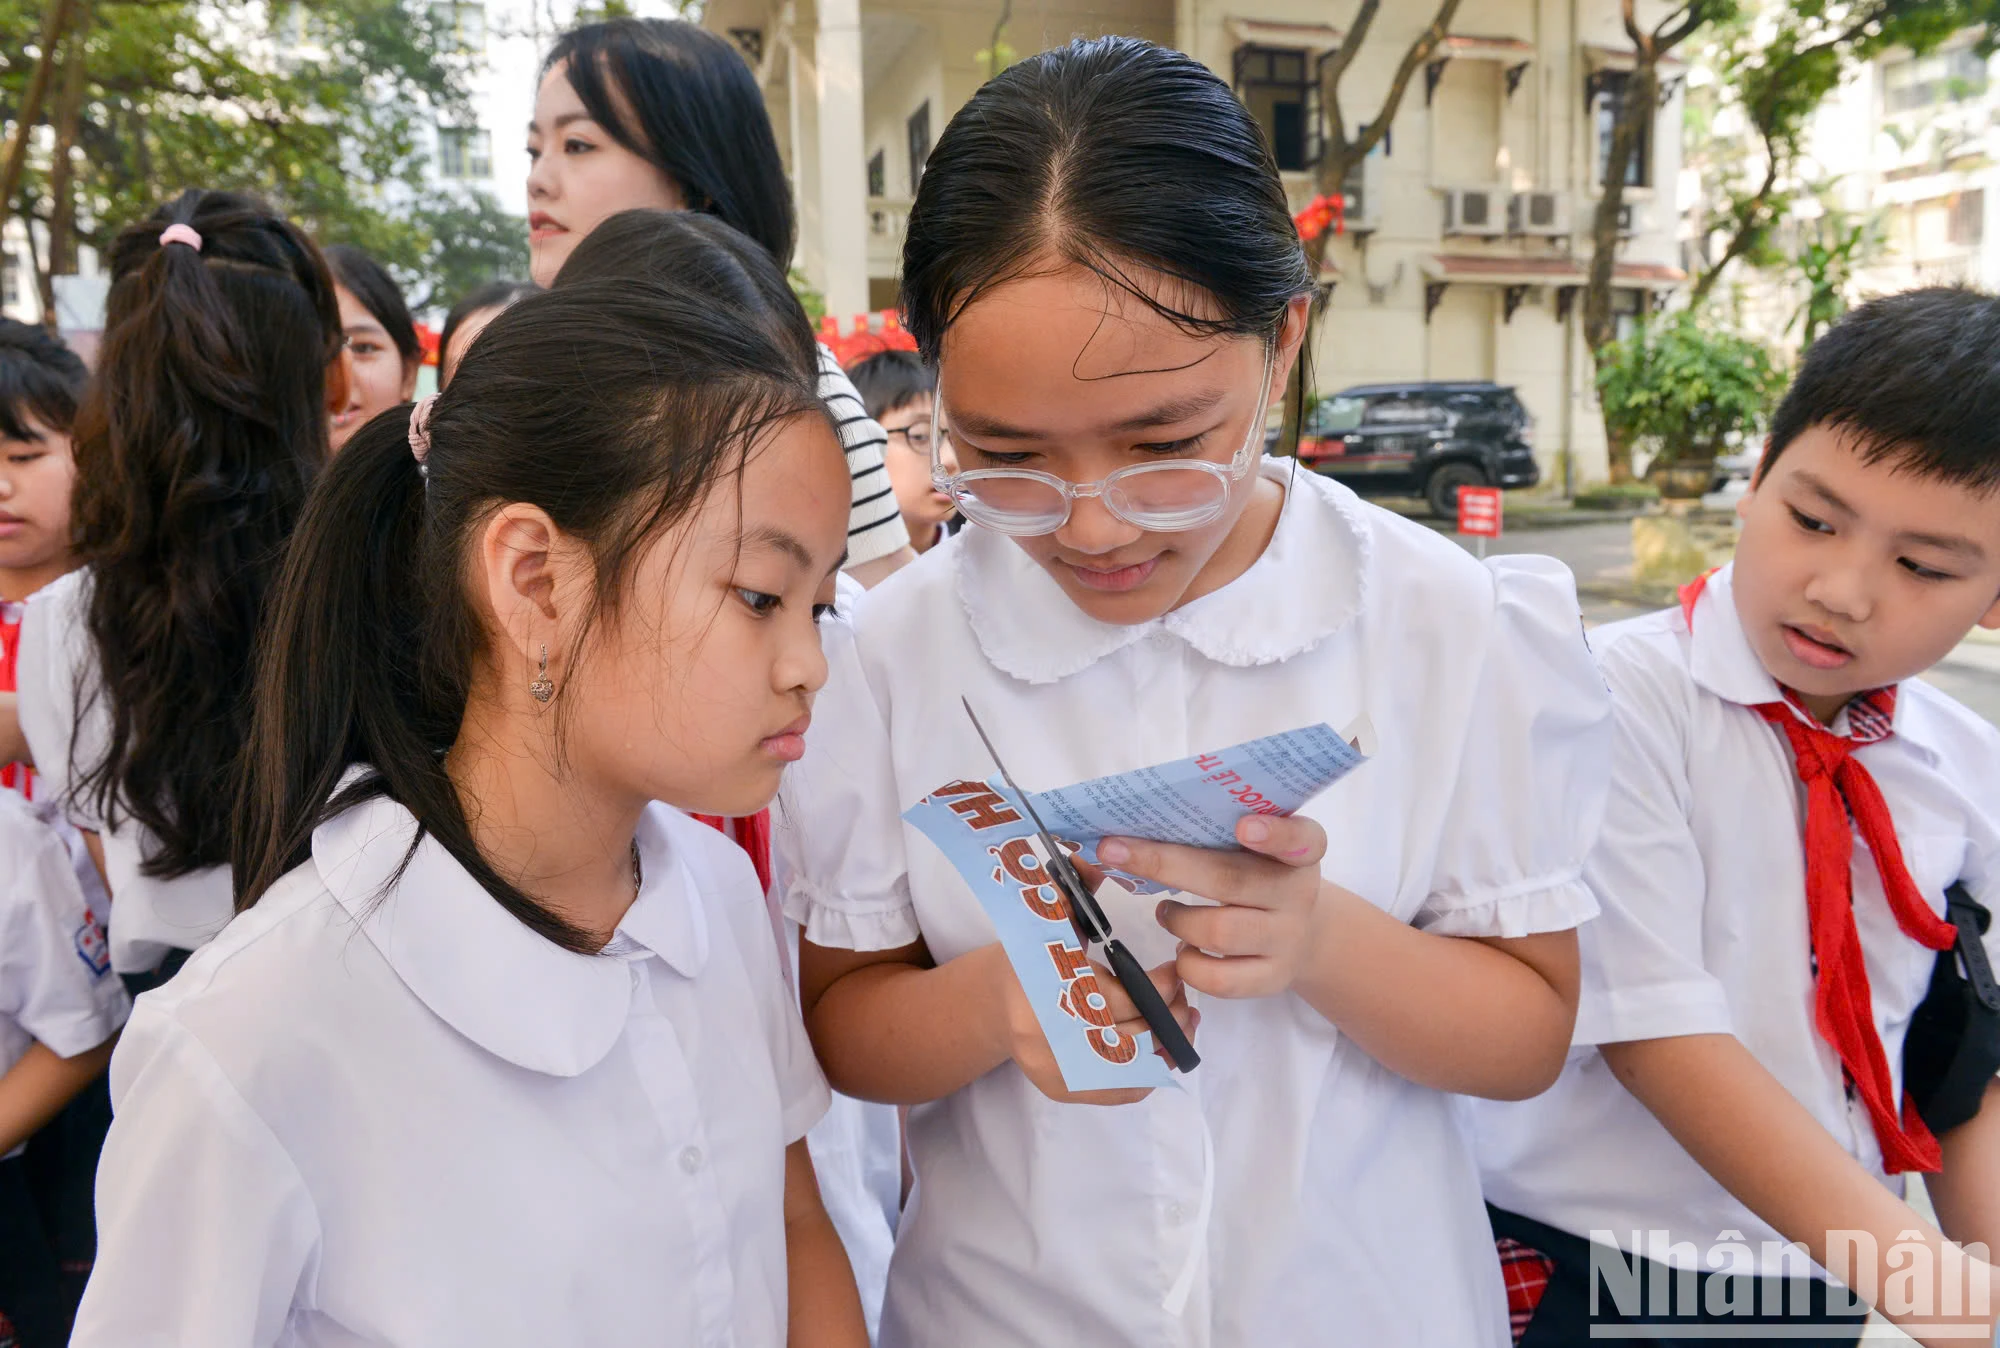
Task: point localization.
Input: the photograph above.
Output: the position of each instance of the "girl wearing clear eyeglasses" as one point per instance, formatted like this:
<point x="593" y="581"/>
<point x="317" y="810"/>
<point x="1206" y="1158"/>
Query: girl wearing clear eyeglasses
<point x="1101" y="267"/>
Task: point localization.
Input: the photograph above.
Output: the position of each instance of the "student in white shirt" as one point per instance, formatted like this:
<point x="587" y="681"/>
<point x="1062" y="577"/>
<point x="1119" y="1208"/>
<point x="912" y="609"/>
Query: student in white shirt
<point x="1408" y="936"/>
<point x="662" y="114"/>
<point x="856" y="1147"/>
<point x="499" y="1052"/>
<point x="195" y="446"/>
<point x="60" y="1009"/>
<point x="1738" y="1080"/>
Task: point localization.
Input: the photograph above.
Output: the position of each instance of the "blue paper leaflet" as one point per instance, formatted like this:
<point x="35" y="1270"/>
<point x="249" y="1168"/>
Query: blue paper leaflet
<point x="987" y="836"/>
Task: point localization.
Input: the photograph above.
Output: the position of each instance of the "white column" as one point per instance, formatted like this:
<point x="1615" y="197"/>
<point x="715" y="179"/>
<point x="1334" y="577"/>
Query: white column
<point x="843" y="176"/>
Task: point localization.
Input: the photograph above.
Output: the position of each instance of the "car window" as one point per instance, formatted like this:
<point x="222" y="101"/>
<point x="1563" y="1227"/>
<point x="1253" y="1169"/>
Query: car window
<point x="1335" y="416"/>
<point x="1401" y="410"/>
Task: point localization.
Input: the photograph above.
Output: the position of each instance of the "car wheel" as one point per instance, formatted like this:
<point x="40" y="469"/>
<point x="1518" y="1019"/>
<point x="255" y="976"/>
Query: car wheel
<point x="1441" y="492"/>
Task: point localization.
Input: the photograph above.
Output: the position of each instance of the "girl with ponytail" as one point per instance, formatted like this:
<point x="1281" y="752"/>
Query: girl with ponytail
<point x="499" y="1051"/>
<point x="195" y="446"/>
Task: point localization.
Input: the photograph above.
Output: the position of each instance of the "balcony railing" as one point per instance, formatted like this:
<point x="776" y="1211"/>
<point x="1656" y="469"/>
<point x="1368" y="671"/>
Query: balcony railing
<point x="887" y="218"/>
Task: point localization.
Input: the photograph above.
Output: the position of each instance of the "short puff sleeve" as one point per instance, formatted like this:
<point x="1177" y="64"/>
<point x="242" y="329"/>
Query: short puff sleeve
<point x="1530" y="786"/>
<point x="837" y="826"/>
<point x="56" y="664"/>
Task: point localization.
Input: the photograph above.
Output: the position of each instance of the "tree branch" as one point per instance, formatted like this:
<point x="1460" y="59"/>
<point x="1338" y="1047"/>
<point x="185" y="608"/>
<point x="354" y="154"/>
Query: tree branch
<point x="1419" y="54"/>
<point x="1747" y="224"/>
<point x="1694" y="16"/>
<point x="55" y="20"/>
<point x="1350" y="46"/>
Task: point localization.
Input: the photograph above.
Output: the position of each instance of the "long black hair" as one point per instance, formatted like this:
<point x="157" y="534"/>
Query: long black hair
<point x="368" y="281"/>
<point x="613" y="406"/>
<point x="1105" y="154"/>
<point x="703" y="258"/>
<point x="195" y="446"/>
<point x="699" y="118"/>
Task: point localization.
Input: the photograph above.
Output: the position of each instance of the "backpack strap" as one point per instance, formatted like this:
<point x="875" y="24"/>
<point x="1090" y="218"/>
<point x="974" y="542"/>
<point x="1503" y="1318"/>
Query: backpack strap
<point x="1971" y="918"/>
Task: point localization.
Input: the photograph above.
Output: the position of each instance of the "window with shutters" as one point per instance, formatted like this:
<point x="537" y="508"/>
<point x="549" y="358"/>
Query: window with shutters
<point x="1280" y="87"/>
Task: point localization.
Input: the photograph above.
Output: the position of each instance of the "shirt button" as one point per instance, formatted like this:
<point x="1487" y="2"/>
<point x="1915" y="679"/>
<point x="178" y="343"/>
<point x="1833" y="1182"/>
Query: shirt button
<point x="1176" y="1214"/>
<point x="690" y="1159"/>
<point x="638" y="976"/>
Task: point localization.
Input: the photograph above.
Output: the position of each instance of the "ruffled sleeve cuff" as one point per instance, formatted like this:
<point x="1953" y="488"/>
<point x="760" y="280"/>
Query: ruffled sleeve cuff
<point x="843" y="924"/>
<point x="1555" y="902"/>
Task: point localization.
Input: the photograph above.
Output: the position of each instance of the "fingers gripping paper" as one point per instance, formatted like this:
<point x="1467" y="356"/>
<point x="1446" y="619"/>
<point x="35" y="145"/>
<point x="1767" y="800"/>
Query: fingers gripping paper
<point x="986" y="835"/>
<point x="988" y="838"/>
<point x="1199" y="800"/>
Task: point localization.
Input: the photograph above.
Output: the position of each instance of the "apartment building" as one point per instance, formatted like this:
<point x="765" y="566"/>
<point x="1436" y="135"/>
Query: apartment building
<point x="1465" y="243"/>
<point x="1914" y="143"/>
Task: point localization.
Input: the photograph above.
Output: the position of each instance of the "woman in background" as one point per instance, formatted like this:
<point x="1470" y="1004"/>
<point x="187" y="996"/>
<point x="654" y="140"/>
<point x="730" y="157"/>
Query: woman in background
<point x="661" y="114"/>
<point x="381" y="340"/>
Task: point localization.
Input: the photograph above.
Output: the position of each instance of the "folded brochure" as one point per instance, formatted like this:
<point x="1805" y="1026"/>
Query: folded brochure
<point x="989" y="839"/>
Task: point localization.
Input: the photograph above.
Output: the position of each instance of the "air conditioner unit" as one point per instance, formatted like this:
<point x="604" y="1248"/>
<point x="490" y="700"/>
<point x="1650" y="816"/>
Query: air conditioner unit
<point x="1363" y="190"/>
<point x="1541" y="213"/>
<point x="1474" y="210"/>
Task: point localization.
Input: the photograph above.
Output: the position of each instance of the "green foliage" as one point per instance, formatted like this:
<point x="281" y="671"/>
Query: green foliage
<point x="1683" y="388"/>
<point x="1775" y="64"/>
<point x="1838" y="244"/>
<point x="317" y="105"/>
<point x="1617" y="496"/>
<point x="810" y="299"/>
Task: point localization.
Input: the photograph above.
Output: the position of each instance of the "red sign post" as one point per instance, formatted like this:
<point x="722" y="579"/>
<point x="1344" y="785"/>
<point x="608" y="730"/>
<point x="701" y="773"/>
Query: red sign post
<point x="1479" y="512"/>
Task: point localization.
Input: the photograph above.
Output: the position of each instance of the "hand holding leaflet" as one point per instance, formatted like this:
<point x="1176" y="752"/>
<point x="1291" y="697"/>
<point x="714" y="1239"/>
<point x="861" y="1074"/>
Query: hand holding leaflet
<point x="987" y="832"/>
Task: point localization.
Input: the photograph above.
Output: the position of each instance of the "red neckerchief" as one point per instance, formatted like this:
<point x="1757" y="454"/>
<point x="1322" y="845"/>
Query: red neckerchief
<point x="13" y="776"/>
<point x="753" y="834"/>
<point x="1841" y="797"/>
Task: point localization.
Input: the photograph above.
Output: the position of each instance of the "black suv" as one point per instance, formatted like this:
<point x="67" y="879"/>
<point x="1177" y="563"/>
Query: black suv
<point x="1423" y="440"/>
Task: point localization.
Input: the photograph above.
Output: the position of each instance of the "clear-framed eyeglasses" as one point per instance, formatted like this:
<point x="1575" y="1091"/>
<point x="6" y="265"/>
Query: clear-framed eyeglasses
<point x="1163" y="497"/>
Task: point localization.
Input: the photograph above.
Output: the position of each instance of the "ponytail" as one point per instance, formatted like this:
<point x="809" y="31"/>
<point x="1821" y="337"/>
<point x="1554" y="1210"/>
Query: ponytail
<point x="195" y="446"/>
<point x="616" y="406"/>
<point x="341" y="687"/>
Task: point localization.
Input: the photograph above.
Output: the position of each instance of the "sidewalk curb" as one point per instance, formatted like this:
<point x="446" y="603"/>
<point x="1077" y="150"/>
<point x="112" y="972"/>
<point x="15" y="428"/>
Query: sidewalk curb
<point x="1628" y="592"/>
<point x="1535" y="521"/>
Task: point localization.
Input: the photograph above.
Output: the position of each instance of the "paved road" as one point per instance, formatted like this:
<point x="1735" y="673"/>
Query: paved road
<point x="1601" y="554"/>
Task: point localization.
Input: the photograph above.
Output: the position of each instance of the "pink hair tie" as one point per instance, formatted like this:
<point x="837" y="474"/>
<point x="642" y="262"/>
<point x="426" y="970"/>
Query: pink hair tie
<point x="180" y="234"/>
<point x="420" y="429"/>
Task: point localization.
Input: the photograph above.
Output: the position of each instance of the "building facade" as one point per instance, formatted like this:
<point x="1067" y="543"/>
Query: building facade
<point x="1914" y="143"/>
<point x="1465" y="242"/>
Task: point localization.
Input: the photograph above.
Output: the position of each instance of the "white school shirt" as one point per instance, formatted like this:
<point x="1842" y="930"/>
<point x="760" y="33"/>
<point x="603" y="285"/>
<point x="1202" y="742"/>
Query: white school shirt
<point x="1347" y="1205"/>
<point x="874" y="521"/>
<point x="56" y="984"/>
<point x="57" y="667"/>
<point x="1701" y="872"/>
<point x="380" y="1111"/>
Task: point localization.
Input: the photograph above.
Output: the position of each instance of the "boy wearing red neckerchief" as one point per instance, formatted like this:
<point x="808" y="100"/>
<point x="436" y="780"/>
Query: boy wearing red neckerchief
<point x="1788" y="808"/>
<point x="41" y="381"/>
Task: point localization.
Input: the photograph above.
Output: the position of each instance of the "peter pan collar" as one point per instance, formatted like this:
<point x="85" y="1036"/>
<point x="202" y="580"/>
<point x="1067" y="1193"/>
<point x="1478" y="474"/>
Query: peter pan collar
<point x="1723" y="662"/>
<point x="1310" y="582"/>
<point x="515" y="994"/>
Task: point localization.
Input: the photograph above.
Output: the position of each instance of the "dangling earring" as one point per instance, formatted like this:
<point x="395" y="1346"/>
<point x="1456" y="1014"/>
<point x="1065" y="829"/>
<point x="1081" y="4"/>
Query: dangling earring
<point x="541" y="689"/>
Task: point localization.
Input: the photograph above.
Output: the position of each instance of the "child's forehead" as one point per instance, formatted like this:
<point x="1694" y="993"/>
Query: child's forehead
<point x="1899" y="485"/>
